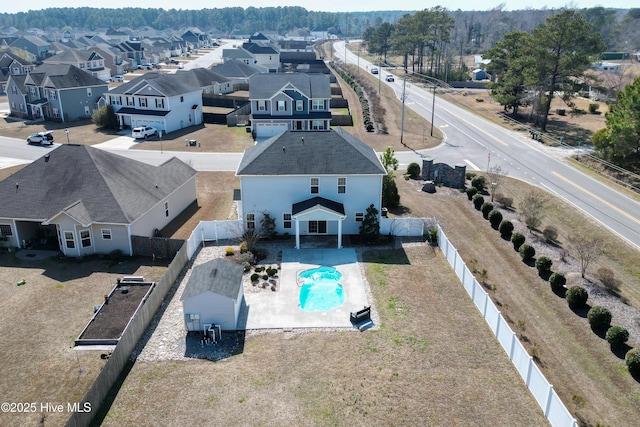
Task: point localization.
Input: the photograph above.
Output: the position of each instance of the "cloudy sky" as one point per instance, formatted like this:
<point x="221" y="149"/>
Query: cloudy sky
<point x="327" y="5"/>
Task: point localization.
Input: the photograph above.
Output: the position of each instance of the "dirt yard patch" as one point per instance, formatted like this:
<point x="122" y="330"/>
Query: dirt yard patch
<point x="80" y="132"/>
<point x="210" y="138"/>
<point x="39" y="322"/>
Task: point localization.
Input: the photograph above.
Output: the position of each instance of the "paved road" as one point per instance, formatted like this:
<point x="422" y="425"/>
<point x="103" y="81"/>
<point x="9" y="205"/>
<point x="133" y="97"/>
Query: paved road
<point x="478" y="143"/>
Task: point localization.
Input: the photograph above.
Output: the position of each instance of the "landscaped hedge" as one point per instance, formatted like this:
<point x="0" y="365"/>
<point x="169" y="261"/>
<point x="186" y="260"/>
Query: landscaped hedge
<point x="362" y="97"/>
<point x="543" y="264"/>
<point x="577" y="297"/>
<point x="599" y="318"/>
<point x="632" y="359"/>
<point x="527" y="252"/>
<point x="506" y="228"/>
<point x="471" y="191"/>
<point x="486" y="208"/>
<point x="617" y="336"/>
<point x="518" y="240"/>
<point x="557" y="282"/>
<point x="495" y="218"/>
<point x="478" y="201"/>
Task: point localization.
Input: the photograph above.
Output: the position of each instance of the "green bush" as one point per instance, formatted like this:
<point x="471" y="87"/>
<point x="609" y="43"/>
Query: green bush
<point x="105" y="118"/>
<point x="390" y="196"/>
<point x="471" y="191"/>
<point x="593" y="107"/>
<point x="577" y="297"/>
<point x="413" y="170"/>
<point x="632" y="359"/>
<point x="517" y="239"/>
<point x="246" y="266"/>
<point x="479" y="182"/>
<point x="470" y="175"/>
<point x="617" y="336"/>
<point x="543" y="264"/>
<point x="486" y="208"/>
<point x="255" y="277"/>
<point x="557" y="281"/>
<point x="527" y="252"/>
<point x="478" y="201"/>
<point x="599" y="318"/>
<point x="506" y="228"/>
<point x="495" y="218"/>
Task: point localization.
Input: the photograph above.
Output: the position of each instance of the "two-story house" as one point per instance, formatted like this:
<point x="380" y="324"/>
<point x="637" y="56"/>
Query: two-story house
<point x="292" y="101"/>
<point x="265" y="54"/>
<point x="310" y="183"/>
<point x="89" y="60"/>
<point x="54" y="92"/>
<point x="14" y="65"/>
<point x="166" y="102"/>
<point x="35" y="45"/>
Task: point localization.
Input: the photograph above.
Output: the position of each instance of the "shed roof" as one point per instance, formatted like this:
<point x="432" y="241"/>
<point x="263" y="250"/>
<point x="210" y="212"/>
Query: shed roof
<point x="219" y="276"/>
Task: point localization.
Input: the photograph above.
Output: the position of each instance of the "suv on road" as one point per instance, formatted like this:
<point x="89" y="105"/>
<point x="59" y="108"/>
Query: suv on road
<point x="143" y="132"/>
<point x="389" y="77"/>
<point x="41" y="138"/>
<point x="374" y="70"/>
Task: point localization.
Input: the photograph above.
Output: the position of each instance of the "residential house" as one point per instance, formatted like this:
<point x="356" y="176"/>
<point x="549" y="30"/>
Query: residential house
<point x="311" y="183"/>
<point x="117" y="36"/>
<point x="13" y="64"/>
<point x="295" y="101"/>
<point x="35" y="45"/>
<point x="133" y="51"/>
<point x="213" y="296"/>
<point x="209" y="81"/>
<point x="59" y="92"/>
<point x="265" y="54"/>
<point x="83" y="200"/>
<point x="89" y="60"/>
<point x="195" y="38"/>
<point x="237" y="72"/>
<point x="240" y="55"/>
<point x="166" y="102"/>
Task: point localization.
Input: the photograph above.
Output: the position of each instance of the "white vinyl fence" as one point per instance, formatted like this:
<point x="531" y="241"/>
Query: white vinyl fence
<point x="208" y="231"/>
<point x="553" y="408"/>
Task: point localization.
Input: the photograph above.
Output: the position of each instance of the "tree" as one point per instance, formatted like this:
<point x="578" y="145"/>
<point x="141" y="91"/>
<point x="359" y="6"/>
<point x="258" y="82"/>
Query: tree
<point x="390" y="196"/>
<point x="495" y="173"/>
<point x="370" y="225"/>
<point x="532" y="209"/>
<point x="105" y="118"/>
<point x="389" y="161"/>
<point x="560" y="52"/>
<point x="619" y="141"/>
<point x="586" y="248"/>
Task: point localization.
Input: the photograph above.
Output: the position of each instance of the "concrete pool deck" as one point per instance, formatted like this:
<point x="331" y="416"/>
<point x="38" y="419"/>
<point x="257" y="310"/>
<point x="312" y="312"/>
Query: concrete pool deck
<point x="281" y="309"/>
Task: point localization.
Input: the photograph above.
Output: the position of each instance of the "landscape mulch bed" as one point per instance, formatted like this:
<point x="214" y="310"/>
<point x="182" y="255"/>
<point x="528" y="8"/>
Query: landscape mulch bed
<point x="113" y="317"/>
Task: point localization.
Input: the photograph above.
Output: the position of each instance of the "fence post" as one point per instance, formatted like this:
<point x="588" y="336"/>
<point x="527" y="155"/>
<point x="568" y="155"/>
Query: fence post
<point x="513" y="345"/>
<point x="529" y="371"/>
<point x="498" y="324"/>
<point x="548" y="404"/>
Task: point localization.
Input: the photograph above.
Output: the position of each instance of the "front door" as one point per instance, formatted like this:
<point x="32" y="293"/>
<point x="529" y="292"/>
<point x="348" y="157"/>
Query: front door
<point x="317" y="227"/>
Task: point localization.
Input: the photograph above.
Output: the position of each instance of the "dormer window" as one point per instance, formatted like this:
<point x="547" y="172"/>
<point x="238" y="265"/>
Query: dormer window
<point x="282" y="106"/>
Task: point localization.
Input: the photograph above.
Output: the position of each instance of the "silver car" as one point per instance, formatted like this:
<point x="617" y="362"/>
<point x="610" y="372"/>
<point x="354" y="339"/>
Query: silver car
<point x="41" y="138"/>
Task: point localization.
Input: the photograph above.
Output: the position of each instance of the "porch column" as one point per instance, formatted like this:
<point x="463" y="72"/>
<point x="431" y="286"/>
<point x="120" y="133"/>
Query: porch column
<point x="297" y="234"/>
<point x="339" y="234"/>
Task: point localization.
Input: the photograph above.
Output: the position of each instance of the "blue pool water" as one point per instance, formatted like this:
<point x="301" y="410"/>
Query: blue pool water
<point x="321" y="290"/>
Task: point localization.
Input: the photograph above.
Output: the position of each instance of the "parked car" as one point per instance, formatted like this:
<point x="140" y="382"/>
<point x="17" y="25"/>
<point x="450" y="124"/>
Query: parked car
<point x="41" y="138"/>
<point x="180" y="66"/>
<point x="174" y="61"/>
<point x="389" y="78"/>
<point x="145" y="67"/>
<point x="143" y="132"/>
<point x="117" y="78"/>
<point x="374" y="70"/>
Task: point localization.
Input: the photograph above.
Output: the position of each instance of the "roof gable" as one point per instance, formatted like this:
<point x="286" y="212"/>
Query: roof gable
<point x="265" y="85"/>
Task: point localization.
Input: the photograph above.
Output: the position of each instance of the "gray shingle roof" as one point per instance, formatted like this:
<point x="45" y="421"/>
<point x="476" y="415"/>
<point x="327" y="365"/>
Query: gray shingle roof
<point x="64" y="76"/>
<point x="317" y="201"/>
<point x="157" y="84"/>
<point x="89" y="184"/>
<point x="219" y="276"/>
<point x="234" y="68"/>
<point x="313" y="86"/>
<point x="334" y="152"/>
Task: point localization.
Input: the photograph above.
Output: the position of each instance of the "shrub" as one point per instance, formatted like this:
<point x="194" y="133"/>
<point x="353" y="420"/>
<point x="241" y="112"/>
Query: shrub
<point x="228" y="251"/>
<point x="495" y="218"/>
<point x="390" y="196"/>
<point x="115" y="255"/>
<point x="505" y="202"/>
<point x="593" y="107"/>
<point x="243" y="247"/>
<point x="543" y="264"/>
<point x="255" y="277"/>
<point x="617" y="336"/>
<point x="471" y="191"/>
<point x="505" y="228"/>
<point x="486" y="208"/>
<point x="599" y="318"/>
<point x="247" y="257"/>
<point x="478" y="201"/>
<point x="557" y="281"/>
<point x="479" y="182"/>
<point x="577" y="297"/>
<point x="271" y="272"/>
<point x="413" y="170"/>
<point x="550" y="234"/>
<point x="246" y="266"/>
<point x="527" y="252"/>
<point x="105" y="118"/>
<point x="517" y="239"/>
<point x="470" y="175"/>
<point x="607" y="278"/>
<point x="632" y="359"/>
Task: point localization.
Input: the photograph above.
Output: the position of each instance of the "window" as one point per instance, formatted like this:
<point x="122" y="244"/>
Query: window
<point x="299" y="105"/>
<point x="87" y="110"/>
<point x="89" y="92"/>
<point x="251" y="221"/>
<point x="166" y="209"/>
<point x="85" y="238"/>
<point x="317" y="125"/>
<point x="68" y="238"/>
<point x="159" y="102"/>
<point x="286" y="220"/>
<point x="55" y="112"/>
<point x="182" y="99"/>
<point x="282" y="106"/>
<point x="82" y="65"/>
<point x="130" y="101"/>
<point x="14" y="89"/>
<point x="262" y="105"/>
<point x="142" y="102"/>
<point x="116" y="100"/>
<point x="53" y="94"/>
<point x="106" y="234"/>
<point x="315" y="185"/>
<point x="317" y="104"/>
<point x="359" y="216"/>
<point x="5" y="230"/>
<point x="342" y="185"/>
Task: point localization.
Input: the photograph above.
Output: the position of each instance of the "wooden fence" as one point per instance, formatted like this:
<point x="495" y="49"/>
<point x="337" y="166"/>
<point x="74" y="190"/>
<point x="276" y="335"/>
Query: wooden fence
<point x="158" y="247"/>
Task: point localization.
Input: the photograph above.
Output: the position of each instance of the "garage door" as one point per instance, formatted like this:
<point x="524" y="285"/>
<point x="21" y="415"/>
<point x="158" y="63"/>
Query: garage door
<point x="266" y="130"/>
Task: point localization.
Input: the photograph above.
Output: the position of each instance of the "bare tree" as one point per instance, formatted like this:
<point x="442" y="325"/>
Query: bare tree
<point x="532" y="209"/>
<point x="495" y="174"/>
<point x="586" y="248"/>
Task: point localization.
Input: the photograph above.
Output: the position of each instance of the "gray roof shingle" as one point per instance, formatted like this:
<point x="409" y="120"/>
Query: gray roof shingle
<point x="334" y="152"/>
<point x="313" y="86"/>
<point x="159" y="85"/>
<point x="89" y="184"/>
<point x="219" y="276"/>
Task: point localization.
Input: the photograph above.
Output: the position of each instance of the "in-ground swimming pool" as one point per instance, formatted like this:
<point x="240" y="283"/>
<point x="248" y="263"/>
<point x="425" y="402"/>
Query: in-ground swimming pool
<point x="321" y="289"/>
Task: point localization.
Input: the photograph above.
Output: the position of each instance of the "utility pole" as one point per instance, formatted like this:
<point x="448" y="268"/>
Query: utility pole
<point x="379" y="72"/>
<point x="404" y="95"/>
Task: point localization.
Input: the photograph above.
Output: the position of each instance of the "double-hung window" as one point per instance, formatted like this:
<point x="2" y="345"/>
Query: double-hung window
<point x="299" y="105"/>
<point x="317" y="104"/>
<point x="342" y="185"/>
<point x="262" y="105"/>
<point x="251" y="221"/>
<point x="286" y="220"/>
<point x="85" y="238"/>
<point x="315" y="185"/>
<point x="281" y="106"/>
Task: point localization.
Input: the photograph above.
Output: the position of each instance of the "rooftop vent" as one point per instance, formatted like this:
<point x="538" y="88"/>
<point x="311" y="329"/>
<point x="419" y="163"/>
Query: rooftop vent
<point x="46" y="158"/>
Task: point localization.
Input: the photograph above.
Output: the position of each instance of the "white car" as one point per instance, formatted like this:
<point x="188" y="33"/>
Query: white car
<point x="143" y="132"/>
<point x="389" y="78"/>
<point x="374" y="70"/>
<point x="41" y="138"/>
<point x="117" y="78"/>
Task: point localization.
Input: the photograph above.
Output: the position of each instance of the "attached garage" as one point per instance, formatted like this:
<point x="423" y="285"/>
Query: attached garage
<point x="267" y="130"/>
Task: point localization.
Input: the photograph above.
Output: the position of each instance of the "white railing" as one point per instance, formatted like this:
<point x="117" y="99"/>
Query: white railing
<point x="554" y="410"/>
